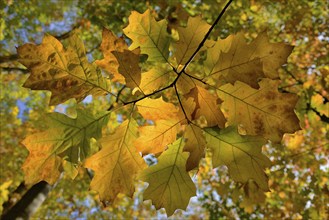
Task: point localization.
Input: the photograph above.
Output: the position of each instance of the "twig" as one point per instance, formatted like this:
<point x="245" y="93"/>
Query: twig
<point x="207" y="35"/>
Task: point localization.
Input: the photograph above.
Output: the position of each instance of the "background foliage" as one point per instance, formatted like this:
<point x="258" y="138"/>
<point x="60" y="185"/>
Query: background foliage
<point x="299" y="175"/>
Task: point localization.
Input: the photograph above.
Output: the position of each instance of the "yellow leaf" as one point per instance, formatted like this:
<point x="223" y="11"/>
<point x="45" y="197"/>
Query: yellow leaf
<point x="317" y="101"/>
<point x="264" y="112"/>
<point x="66" y="73"/>
<point x="170" y="186"/>
<point x="117" y="163"/>
<point x="42" y="163"/>
<point x="189" y="39"/>
<point x="195" y="145"/>
<point x="111" y="43"/>
<point x="156" y="78"/>
<point x="154" y="138"/>
<point x="242" y="154"/>
<point x="232" y="59"/>
<point x="157" y="109"/>
<point x="150" y="35"/>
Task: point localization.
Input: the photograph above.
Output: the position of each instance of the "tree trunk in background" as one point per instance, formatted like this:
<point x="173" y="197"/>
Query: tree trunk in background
<point x="29" y="203"/>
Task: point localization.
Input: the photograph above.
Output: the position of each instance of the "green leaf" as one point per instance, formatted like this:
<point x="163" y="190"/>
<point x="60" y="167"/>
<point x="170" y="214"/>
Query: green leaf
<point x="66" y="138"/>
<point x="242" y="154"/>
<point x="150" y="35"/>
<point x="170" y="186"/>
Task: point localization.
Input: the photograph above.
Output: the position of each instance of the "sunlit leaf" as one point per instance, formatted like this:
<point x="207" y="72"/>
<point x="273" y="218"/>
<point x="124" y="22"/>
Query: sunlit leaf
<point x="148" y="34"/>
<point x="265" y="111"/>
<point x="66" y="73"/>
<point x="242" y="154"/>
<point x="117" y="163"/>
<point x="189" y="39"/>
<point x="170" y="186"/>
<point x="66" y="138"/>
<point x="232" y="59"/>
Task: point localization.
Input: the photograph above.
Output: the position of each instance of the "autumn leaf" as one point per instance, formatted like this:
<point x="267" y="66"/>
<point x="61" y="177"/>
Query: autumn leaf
<point x="170" y="186"/>
<point x="242" y="154"/>
<point x="111" y="43"/>
<point x="66" y="138"/>
<point x="195" y="145"/>
<point x="157" y="109"/>
<point x="232" y="59"/>
<point x="156" y="78"/>
<point x="155" y="138"/>
<point x="150" y="35"/>
<point x="207" y="105"/>
<point x="129" y="67"/>
<point x="66" y="73"/>
<point x="117" y="163"/>
<point x="189" y="39"/>
<point x="264" y="112"/>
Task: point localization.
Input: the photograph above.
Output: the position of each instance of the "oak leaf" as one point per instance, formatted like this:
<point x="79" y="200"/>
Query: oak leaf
<point x="170" y="186"/>
<point x="157" y="109"/>
<point x="148" y="34"/>
<point x="66" y="73"/>
<point x="189" y="39"/>
<point x="155" y="138"/>
<point x="155" y="79"/>
<point x="207" y="105"/>
<point x="195" y="145"/>
<point x="66" y="138"/>
<point x="111" y="43"/>
<point x="242" y="154"/>
<point x="117" y="163"/>
<point x="265" y="111"/>
<point x="129" y="67"/>
<point x="232" y="59"/>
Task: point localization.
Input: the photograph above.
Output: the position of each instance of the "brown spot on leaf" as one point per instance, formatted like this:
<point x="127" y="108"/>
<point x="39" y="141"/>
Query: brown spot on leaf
<point x="258" y="124"/>
<point x="270" y="95"/>
<point x="53" y="71"/>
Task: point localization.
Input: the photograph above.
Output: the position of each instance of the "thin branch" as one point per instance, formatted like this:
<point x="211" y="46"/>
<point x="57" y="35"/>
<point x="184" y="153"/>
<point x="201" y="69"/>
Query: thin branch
<point x="189" y="60"/>
<point x="10" y="69"/>
<point x="9" y="58"/>
<point x="181" y="104"/>
<point x="206" y="36"/>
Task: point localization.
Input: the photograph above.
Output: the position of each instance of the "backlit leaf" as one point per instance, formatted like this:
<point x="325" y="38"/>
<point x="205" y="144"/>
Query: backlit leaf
<point x="66" y="73"/>
<point x="111" y="43"/>
<point x="241" y="154"/>
<point x="232" y="59"/>
<point x="207" y="105"/>
<point x="264" y="112"/>
<point x="148" y="34"/>
<point x="154" y="138"/>
<point x="157" y="109"/>
<point x="155" y="79"/>
<point x="195" y="145"/>
<point x="128" y="67"/>
<point x="189" y="39"/>
<point x="66" y="138"/>
<point x="117" y="163"/>
<point x="170" y="186"/>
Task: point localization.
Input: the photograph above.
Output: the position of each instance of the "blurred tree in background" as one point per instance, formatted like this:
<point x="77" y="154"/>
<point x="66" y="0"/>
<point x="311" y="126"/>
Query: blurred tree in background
<point x="299" y="177"/>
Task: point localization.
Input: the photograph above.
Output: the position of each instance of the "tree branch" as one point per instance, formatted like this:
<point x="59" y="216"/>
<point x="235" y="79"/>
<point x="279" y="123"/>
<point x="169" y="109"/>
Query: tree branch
<point x="207" y="35"/>
<point x="29" y="203"/>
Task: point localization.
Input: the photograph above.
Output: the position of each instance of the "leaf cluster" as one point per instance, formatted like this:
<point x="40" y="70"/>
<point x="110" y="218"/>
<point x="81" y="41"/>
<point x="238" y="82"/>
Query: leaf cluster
<point x="177" y="95"/>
